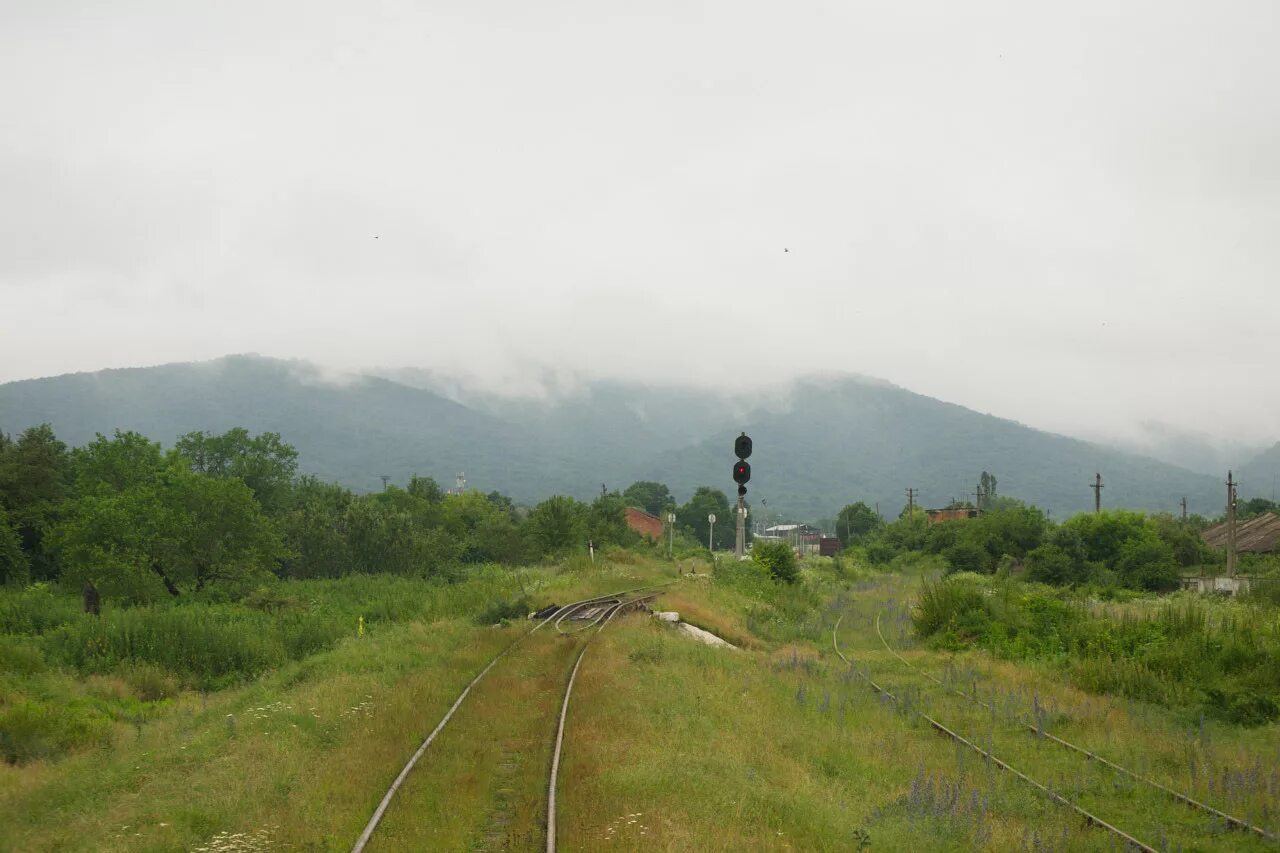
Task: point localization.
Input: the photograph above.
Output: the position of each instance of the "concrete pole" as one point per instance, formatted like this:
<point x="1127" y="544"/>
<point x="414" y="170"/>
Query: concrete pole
<point x="740" y="535"/>
<point x="1231" y="525"/>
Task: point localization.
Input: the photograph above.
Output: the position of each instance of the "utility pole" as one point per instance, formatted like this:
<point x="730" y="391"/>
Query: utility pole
<point x="977" y="497"/>
<point x="1184" y="507"/>
<point x="1232" y="485"/>
<point x="1097" y="493"/>
<point x="384" y="478"/>
<point x="911" y="502"/>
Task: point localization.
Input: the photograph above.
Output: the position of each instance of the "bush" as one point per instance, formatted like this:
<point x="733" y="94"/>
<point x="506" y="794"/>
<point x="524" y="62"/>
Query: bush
<point x="777" y="559"/>
<point x="966" y="557"/>
<point x="502" y="610"/>
<point x="951" y="607"/>
<point x="30" y="731"/>
<point x="149" y="682"/>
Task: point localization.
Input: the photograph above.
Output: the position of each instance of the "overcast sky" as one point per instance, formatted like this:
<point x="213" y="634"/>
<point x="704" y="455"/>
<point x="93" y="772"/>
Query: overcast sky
<point x="1067" y="214"/>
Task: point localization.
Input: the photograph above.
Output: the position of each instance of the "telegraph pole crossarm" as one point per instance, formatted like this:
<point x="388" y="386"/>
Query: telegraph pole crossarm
<point x="1097" y="493"/>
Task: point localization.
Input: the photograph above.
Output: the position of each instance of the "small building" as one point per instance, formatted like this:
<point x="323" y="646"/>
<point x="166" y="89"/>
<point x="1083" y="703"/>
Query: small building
<point x="644" y="524"/>
<point x="828" y="546"/>
<point x="951" y="513"/>
<point x="803" y="538"/>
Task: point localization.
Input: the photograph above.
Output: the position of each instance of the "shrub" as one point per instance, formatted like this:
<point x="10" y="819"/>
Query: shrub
<point x="966" y="557"/>
<point x="952" y="607"/>
<point x="149" y="682"/>
<point x="778" y="559"/>
<point x="501" y="609"/>
<point x="30" y="731"/>
<point x="20" y="656"/>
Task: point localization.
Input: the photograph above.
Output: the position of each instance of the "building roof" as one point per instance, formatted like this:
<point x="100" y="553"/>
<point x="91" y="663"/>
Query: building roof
<point x="1257" y="535"/>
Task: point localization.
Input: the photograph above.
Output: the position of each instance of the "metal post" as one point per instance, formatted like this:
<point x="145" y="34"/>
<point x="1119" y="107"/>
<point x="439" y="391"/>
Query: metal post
<point x="671" y="534"/>
<point x="740" y="535"/>
<point x="711" y="532"/>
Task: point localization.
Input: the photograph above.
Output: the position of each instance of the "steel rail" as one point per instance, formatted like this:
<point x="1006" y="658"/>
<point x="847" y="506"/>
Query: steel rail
<point x="369" y="828"/>
<point x="592" y="622"/>
<point x="1234" y="822"/>
<point x="1089" y="817"/>
<point x="614" y="610"/>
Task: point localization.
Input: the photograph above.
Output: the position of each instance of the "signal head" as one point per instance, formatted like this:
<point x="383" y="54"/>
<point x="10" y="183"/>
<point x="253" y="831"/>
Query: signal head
<point x="742" y="446"/>
<point x="741" y="472"/>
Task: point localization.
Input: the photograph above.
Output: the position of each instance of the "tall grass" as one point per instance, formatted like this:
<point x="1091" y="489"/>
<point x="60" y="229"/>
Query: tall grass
<point x="1218" y="658"/>
<point x="48" y="647"/>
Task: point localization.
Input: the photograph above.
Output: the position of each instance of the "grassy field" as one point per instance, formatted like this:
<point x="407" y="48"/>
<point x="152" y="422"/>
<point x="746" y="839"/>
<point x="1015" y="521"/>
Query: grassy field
<point x="296" y="758"/>
<point x="671" y="745"/>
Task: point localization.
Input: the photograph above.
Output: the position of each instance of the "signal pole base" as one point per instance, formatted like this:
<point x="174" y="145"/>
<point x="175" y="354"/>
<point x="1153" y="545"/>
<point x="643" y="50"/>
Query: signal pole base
<point x="740" y="535"/>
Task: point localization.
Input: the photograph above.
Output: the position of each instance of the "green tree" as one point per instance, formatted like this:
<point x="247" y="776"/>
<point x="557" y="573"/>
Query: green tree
<point x="184" y="530"/>
<point x="557" y="524"/>
<point x="987" y="490"/>
<point x="264" y="462"/>
<point x="649" y="496"/>
<point x="112" y="465"/>
<point x="315" y="530"/>
<point x="426" y="488"/>
<point x="693" y="517"/>
<point x="1147" y="563"/>
<point x="1052" y="564"/>
<point x="1255" y="507"/>
<point x="15" y="568"/>
<point x="35" y="472"/>
<point x="606" y="522"/>
<point x="855" y="521"/>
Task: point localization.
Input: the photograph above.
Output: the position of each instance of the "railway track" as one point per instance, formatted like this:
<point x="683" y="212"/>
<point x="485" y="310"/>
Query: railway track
<point x="1236" y="823"/>
<point x="602" y="620"/>
<point x="602" y="607"/>
<point x="1122" y="794"/>
<point x="1091" y="819"/>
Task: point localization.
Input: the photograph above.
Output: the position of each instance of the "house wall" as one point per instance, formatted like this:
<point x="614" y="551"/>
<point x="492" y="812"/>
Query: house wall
<point x="644" y="524"/>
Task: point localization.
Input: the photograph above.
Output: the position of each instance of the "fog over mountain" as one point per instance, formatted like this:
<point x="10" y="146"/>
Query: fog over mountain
<point x="820" y="442"/>
<point x="1064" y="214"/>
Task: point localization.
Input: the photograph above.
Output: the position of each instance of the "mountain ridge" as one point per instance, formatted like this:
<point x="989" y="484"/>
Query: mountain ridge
<point x="821" y="441"/>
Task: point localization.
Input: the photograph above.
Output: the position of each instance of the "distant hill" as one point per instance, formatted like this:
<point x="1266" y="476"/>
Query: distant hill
<point x="1260" y="476"/>
<point x="819" y="443"/>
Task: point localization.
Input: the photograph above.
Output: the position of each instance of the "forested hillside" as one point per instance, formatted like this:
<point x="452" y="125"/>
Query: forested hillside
<point x="1260" y="476"/>
<point x="819" y="443"/>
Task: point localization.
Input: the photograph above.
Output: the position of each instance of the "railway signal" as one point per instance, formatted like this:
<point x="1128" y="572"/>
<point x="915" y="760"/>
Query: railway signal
<point x="741" y="476"/>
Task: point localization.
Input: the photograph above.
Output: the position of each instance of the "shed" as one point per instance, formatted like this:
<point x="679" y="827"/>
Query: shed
<point x="1259" y="535"/>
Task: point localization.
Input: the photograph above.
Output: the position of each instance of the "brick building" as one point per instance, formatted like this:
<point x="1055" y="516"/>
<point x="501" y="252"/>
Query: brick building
<point x="644" y="524"/>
